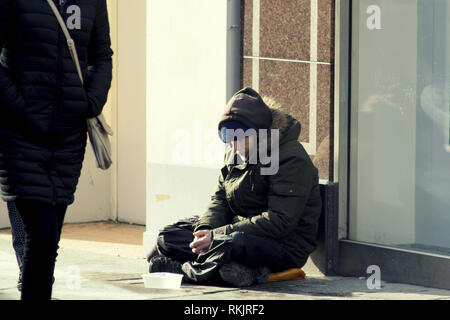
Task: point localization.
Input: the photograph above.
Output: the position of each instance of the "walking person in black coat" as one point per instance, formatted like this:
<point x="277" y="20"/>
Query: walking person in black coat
<point x="43" y="113"/>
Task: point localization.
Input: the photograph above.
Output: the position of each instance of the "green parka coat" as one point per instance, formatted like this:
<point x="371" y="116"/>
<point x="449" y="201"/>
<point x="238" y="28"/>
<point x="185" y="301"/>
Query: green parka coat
<point x="285" y="206"/>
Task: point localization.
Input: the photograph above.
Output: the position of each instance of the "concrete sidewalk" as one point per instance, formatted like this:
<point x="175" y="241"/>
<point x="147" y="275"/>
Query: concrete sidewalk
<point x="108" y="259"/>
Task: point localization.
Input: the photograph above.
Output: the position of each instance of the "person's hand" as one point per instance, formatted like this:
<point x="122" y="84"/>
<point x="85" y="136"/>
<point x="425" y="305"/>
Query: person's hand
<point x="201" y="242"/>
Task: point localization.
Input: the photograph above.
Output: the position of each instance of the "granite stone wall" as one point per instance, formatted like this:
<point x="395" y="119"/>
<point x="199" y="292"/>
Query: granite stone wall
<point x="288" y="54"/>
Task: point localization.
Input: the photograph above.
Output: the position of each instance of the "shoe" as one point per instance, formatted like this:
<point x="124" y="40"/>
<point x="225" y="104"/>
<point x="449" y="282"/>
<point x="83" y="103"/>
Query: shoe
<point x="155" y="252"/>
<point x="164" y="264"/>
<point x="239" y="275"/>
<point x="19" y="282"/>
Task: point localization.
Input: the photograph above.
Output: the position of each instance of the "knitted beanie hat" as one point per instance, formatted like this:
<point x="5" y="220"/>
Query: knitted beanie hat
<point x="247" y="107"/>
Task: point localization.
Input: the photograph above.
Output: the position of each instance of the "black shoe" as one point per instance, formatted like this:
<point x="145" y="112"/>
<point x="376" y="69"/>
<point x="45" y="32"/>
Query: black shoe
<point x="164" y="264"/>
<point x="155" y="252"/>
<point x="239" y="275"/>
<point x="19" y="282"/>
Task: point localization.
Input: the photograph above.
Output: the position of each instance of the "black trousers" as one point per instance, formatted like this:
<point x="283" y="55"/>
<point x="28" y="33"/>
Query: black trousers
<point x="18" y="234"/>
<point x="248" y="250"/>
<point x="43" y="225"/>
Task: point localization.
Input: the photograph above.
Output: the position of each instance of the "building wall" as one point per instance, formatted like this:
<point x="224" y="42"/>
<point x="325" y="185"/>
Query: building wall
<point x="95" y="195"/>
<point x="288" y="54"/>
<point x="131" y="111"/>
<point x="186" y="95"/>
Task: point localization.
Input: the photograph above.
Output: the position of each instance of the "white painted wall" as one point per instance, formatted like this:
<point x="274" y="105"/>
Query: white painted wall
<point x="186" y="87"/>
<point x="131" y="111"/>
<point x="4" y="221"/>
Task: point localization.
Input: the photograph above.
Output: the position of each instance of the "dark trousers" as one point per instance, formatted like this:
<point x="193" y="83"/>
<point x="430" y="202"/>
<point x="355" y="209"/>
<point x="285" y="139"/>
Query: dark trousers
<point x="18" y="234"/>
<point x="42" y="224"/>
<point x="248" y="250"/>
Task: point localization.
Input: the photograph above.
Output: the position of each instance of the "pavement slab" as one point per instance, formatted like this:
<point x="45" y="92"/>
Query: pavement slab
<point x="104" y="261"/>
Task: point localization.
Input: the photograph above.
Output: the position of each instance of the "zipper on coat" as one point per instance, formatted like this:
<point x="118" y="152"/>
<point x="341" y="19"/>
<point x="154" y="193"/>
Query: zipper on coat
<point x="233" y="196"/>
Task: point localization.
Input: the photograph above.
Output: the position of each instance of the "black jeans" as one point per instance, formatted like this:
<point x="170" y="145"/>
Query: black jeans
<point x="248" y="250"/>
<point x="42" y="224"/>
<point x="18" y="234"/>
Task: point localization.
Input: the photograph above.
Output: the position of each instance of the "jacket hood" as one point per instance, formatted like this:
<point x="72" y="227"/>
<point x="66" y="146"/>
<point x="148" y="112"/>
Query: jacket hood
<point x="247" y="107"/>
<point x="256" y="112"/>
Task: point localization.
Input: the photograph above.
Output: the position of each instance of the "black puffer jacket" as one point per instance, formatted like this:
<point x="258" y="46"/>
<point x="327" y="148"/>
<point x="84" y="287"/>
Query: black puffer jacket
<point x="43" y="106"/>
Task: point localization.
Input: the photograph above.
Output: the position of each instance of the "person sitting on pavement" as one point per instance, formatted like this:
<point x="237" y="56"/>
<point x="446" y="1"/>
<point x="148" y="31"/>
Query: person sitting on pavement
<point x="263" y="217"/>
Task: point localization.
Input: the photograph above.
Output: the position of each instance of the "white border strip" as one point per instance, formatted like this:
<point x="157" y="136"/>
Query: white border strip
<point x="310" y="146"/>
<point x="255" y="45"/>
<point x="287" y="60"/>
<point x="313" y="78"/>
<point x="314" y="29"/>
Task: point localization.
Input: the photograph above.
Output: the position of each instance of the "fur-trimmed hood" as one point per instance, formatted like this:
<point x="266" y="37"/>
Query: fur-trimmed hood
<point x="289" y="127"/>
<point x="256" y="112"/>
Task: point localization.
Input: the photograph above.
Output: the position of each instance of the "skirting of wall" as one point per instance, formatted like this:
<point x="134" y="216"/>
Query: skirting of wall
<point x="327" y="252"/>
<point x="396" y="265"/>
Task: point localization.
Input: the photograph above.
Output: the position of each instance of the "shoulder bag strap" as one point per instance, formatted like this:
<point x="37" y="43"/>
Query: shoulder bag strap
<point x="70" y="42"/>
